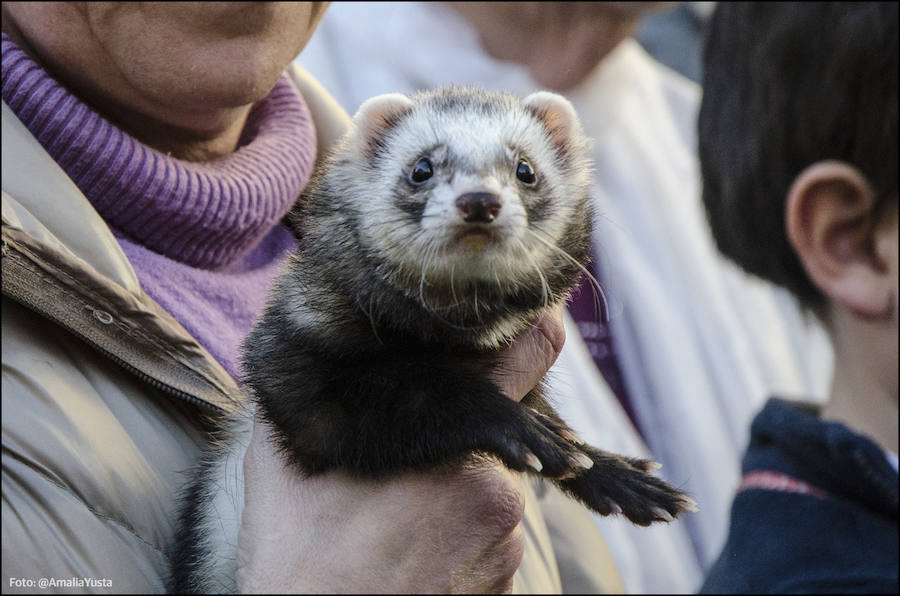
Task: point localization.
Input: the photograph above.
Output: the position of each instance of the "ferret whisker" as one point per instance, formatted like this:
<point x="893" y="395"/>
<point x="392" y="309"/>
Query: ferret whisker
<point x="431" y="249"/>
<point x="452" y="286"/>
<point x="406" y="220"/>
<point x="437" y="137"/>
<point x="368" y="313"/>
<point x="545" y="286"/>
<point x="425" y="263"/>
<point x="602" y="310"/>
<point x="477" y="316"/>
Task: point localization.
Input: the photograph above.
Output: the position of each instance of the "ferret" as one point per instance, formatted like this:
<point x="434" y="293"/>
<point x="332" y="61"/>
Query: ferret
<point x="439" y="228"/>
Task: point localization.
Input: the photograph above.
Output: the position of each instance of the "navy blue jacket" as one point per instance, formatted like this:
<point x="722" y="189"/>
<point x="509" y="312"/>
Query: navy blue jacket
<point x="816" y="511"/>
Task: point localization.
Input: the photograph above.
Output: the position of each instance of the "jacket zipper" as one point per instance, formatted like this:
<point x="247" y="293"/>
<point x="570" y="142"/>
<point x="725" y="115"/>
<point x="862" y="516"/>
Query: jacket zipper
<point x="155" y="383"/>
<point x="128" y="367"/>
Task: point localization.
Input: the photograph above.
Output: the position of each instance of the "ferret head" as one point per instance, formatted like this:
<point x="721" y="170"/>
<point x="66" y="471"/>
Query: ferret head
<point x="458" y="194"/>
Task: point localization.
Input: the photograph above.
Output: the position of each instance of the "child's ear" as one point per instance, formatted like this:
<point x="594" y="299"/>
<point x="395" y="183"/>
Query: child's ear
<point x="375" y="117"/>
<point x="832" y="224"/>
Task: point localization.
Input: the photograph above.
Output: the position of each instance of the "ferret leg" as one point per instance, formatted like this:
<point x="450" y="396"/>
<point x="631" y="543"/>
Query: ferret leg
<point x="383" y="420"/>
<point x="615" y="483"/>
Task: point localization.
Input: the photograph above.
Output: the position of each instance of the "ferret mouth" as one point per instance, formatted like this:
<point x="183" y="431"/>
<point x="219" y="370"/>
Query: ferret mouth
<point x="476" y="238"/>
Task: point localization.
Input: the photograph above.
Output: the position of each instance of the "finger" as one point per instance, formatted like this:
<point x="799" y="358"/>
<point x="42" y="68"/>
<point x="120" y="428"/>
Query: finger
<point x="550" y="326"/>
<point x="530" y="356"/>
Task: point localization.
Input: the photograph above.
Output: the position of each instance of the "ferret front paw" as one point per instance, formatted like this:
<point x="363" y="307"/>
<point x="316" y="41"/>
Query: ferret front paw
<point x="541" y="445"/>
<point x="615" y="484"/>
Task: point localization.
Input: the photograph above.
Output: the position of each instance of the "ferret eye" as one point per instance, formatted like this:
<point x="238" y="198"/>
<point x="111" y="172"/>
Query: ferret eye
<point x="525" y="173"/>
<point x="421" y="171"/>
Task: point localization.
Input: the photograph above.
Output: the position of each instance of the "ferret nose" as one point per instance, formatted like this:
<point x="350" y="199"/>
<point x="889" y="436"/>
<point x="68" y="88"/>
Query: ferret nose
<point x="478" y="206"/>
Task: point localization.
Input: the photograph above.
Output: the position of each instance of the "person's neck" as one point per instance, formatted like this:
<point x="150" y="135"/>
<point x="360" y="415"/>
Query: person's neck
<point x="559" y="45"/>
<point x="184" y="143"/>
<point x="864" y="386"/>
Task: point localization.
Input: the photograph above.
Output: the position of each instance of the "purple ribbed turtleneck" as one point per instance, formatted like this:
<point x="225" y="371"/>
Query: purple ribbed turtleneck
<point x="204" y="238"/>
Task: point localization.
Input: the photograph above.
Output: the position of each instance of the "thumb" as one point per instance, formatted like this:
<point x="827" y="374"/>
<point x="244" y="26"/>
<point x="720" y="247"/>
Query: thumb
<point x="530" y="356"/>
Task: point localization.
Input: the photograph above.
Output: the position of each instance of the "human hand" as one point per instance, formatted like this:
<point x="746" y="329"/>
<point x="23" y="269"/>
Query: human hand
<point x="447" y="530"/>
<point x="532" y="354"/>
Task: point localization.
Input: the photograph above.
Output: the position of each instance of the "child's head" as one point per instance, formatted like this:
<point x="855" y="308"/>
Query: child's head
<point x="798" y="148"/>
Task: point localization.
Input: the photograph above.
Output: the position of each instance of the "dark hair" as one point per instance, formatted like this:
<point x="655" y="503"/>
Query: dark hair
<point x="785" y="85"/>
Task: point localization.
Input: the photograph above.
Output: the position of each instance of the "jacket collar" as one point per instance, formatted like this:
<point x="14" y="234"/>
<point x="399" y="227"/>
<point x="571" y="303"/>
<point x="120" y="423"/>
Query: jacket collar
<point x="93" y="283"/>
<point x="790" y="437"/>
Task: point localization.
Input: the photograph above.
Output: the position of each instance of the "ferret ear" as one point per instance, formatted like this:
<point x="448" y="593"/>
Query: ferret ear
<point x="558" y="116"/>
<point x="376" y="116"/>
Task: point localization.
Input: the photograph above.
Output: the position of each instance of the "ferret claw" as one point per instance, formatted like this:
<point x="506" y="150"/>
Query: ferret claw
<point x="570" y="436"/>
<point x="582" y="461"/>
<point x="614" y="506"/>
<point x="663" y="514"/>
<point x="533" y="462"/>
<point x="690" y="504"/>
<point x="553" y="425"/>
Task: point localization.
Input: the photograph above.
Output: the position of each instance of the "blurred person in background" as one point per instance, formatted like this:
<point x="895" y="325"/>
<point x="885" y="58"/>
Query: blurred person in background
<point x="675" y="36"/>
<point x="690" y="346"/>
<point x="798" y="150"/>
<point x="150" y="151"/>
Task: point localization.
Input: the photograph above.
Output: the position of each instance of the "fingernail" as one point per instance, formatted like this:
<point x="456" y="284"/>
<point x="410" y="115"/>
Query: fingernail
<point x="653" y="466"/>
